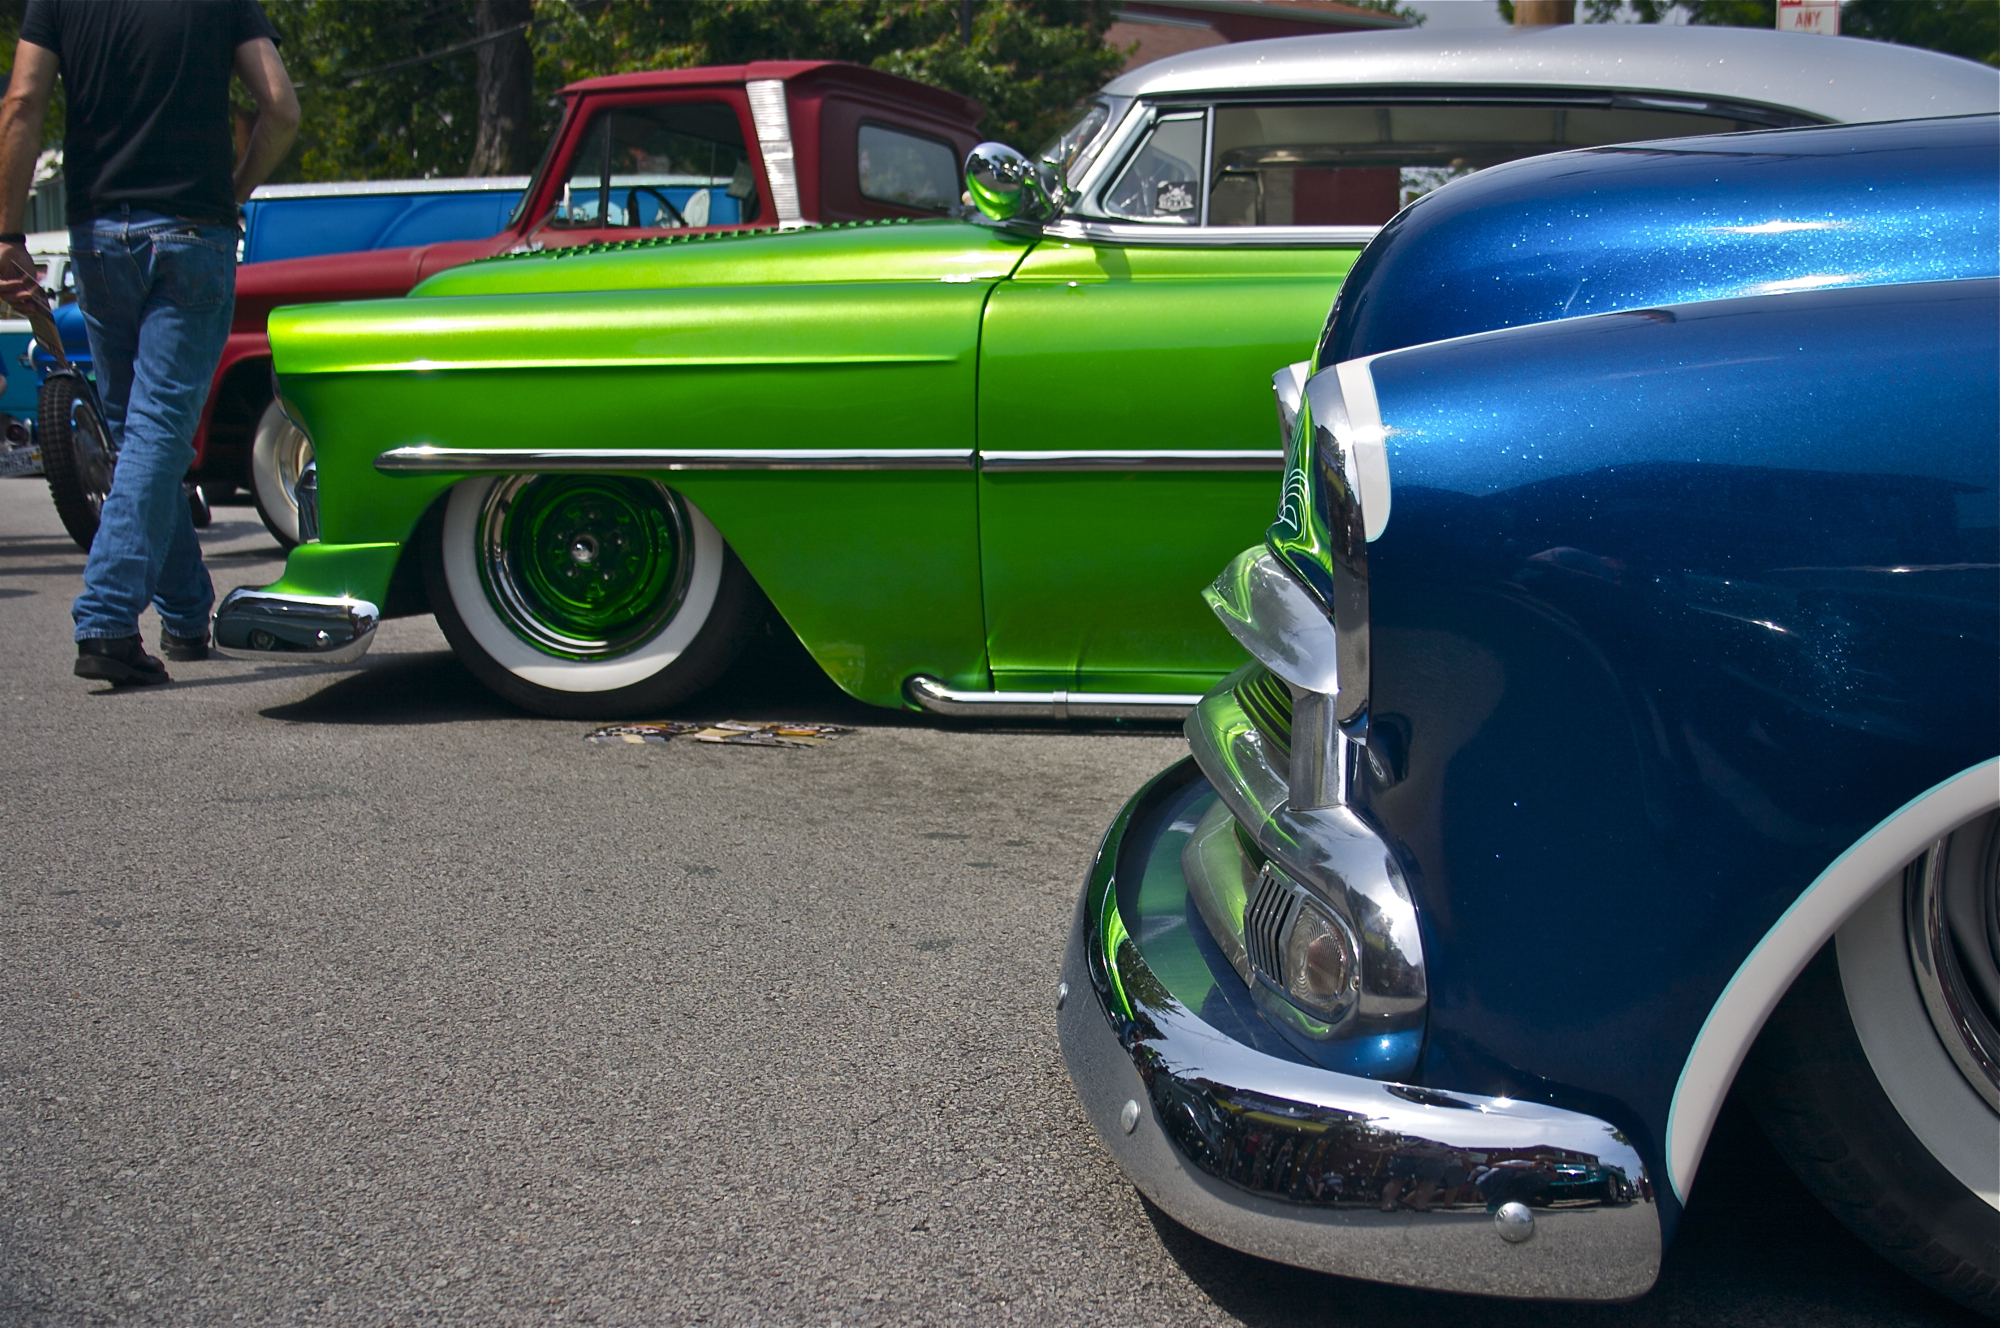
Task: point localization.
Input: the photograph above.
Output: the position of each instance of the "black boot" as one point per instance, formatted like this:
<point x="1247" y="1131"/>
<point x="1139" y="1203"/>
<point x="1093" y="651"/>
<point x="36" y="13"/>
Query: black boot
<point x="183" y="648"/>
<point x="120" y="661"/>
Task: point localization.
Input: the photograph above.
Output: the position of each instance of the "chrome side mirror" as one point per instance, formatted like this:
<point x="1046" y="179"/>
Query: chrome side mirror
<point x="1007" y="186"/>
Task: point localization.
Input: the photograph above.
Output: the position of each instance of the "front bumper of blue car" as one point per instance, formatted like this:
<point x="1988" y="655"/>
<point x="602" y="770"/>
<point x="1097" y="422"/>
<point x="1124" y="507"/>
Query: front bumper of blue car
<point x="1236" y="1133"/>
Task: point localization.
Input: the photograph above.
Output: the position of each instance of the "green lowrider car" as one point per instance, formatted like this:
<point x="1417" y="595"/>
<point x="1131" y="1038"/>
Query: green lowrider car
<point x="978" y="465"/>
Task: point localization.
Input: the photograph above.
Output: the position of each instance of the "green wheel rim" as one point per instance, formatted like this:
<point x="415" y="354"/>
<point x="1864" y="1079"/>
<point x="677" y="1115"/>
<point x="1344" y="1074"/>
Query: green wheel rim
<point x="584" y="566"/>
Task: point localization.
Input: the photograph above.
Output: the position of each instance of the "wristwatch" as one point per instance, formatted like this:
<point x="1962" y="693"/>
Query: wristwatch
<point x="13" y="237"/>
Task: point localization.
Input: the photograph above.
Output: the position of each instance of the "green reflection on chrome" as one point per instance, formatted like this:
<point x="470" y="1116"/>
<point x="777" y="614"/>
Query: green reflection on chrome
<point x="1300" y="536"/>
<point x="594" y="558"/>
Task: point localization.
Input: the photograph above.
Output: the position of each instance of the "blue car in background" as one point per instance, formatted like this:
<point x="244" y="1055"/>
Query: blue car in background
<point x="303" y="220"/>
<point x="306" y="220"/>
<point x="1621" y="732"/>
<point x="280" y="221"/>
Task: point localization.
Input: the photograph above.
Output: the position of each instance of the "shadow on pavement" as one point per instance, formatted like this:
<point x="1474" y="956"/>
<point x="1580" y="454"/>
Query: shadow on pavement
<point x="1754" y="1248"/>
<point x="39" y="546"/>
<point x="774" y="679"/>
<point x="429" y="688"/>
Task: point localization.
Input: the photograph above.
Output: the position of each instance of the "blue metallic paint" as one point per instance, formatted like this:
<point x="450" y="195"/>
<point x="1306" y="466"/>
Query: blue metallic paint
<point x="1615" y="228"/>
<point x="1674" y="607"/>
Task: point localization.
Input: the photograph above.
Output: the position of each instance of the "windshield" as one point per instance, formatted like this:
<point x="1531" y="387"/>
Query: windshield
<point x="1073" y="149"/>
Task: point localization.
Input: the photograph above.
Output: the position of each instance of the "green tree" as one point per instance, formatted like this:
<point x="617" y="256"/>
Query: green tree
<point x="391" y="87"/>
<point x="1968" y="28"/>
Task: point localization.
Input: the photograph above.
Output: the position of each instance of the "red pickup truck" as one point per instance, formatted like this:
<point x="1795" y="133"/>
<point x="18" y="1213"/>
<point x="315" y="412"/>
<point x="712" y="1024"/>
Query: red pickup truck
<point x="774" y="143"/>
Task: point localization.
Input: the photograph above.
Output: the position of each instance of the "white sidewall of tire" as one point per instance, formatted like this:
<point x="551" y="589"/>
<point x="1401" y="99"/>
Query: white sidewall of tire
<point x="279" y="506"/>
<point x="510" y="652"/>
<point x="1948" y="1117"/>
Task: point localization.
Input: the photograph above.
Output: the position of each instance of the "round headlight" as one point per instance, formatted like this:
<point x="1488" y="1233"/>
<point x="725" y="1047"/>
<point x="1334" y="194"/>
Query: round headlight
<point x="1322" y="962"/>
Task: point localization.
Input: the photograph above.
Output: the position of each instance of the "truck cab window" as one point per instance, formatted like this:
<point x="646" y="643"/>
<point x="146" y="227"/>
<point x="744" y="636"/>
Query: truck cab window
<point x="910" y="170"/>
<point x="676" y="166"/>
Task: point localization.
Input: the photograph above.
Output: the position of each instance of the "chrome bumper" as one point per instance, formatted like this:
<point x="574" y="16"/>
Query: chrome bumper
<point x="1286" y="1161"/>
<point x="293" y="629"/>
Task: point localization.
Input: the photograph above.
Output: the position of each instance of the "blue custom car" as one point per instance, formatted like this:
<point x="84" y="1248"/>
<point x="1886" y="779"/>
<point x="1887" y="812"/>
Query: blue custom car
<point x="1621" y="728"/>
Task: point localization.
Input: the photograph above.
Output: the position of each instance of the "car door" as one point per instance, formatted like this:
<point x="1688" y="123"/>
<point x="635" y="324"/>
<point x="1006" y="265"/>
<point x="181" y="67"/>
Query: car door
<point x="1128" y="443"/>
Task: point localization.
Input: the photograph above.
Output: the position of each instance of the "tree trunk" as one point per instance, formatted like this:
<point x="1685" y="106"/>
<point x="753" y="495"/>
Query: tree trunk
<point x="504" y="144"/>
<point x="1528" y="13"/>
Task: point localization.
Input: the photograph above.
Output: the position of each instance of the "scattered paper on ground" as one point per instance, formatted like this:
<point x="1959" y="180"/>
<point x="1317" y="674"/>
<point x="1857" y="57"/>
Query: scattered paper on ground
<point x="770" y="735"/>
<point x="732" y="731"/>
<point x="655" y="732"/>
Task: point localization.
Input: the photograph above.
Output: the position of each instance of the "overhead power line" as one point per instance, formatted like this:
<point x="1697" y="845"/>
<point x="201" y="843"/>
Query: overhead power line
<point x="350" y="80"/>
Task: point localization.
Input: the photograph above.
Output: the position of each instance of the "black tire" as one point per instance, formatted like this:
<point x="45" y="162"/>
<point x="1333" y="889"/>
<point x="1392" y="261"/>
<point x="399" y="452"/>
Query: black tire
<point x="1811" y="1087"/>
<point x="712" y="625"/>
<point x="78" y="456"/>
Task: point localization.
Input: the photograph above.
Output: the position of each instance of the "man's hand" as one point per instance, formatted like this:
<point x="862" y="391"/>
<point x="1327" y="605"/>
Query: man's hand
<point x="277" y="123"/>
<point x="19" y="284"/>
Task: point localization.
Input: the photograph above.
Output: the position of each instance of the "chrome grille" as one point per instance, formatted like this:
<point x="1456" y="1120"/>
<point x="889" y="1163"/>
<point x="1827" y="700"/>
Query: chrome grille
<point x="1264" y="922"/>
<point x="1268" y="702"/>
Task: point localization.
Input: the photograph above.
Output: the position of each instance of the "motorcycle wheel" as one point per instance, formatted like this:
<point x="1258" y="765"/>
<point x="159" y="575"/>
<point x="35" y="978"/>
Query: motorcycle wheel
<point x="78" y="456"/>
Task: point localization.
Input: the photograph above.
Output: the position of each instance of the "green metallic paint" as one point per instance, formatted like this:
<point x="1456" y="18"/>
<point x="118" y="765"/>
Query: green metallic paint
<point x="351" y="571"/>
<point x="898" y="251"/>
<point x="1092" y="581"/>
<point x="863" y="337"/>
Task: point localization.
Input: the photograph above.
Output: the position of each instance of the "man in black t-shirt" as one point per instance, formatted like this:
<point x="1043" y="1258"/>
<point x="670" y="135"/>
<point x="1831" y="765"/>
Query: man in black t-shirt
<point x="153" y="199"/>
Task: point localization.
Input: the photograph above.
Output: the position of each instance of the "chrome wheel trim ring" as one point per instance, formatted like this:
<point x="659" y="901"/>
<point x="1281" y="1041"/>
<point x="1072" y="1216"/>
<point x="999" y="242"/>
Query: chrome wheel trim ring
<point x="1911" y="1061"/>
<point x="463" y="511"/>
<point x="1951" y="900"/>
<point x="511" y="601"/>
<point x="278" y="456"/>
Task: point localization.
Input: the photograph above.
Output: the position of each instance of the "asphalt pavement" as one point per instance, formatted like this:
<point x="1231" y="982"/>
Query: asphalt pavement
<point x="358" y="997"/>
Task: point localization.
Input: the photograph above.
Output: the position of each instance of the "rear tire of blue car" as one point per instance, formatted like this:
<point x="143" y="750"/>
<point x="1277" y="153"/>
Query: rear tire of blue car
<point x="587" y="596"/>
<point x="1857" y="1083"/>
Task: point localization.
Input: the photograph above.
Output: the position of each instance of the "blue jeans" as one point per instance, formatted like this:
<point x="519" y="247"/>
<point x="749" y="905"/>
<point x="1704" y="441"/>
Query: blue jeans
<point x="157" y="295"/>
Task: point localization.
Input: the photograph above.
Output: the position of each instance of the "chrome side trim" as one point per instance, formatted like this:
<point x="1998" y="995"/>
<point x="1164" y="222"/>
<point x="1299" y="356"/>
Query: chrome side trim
<point x="468" y="460"/>
<point x="1285" y="1161"/>
<point x="774" y="139"/>
<point x="1763" y="978"/>
<point x="1211" y="237"/>
<point x="1131" y="459"/>
<point x="932" y="695"/>
<point x="269" y="628"/>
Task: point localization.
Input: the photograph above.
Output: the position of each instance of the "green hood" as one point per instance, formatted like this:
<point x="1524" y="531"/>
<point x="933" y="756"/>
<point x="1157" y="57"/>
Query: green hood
<point x="899" y="250"/>
<point x="862" y="293"/>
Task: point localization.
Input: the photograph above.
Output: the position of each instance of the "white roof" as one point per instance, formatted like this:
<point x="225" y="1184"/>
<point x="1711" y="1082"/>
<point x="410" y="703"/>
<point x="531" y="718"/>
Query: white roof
<point x="478" y="184"/>
<point x="1835" y="78"/>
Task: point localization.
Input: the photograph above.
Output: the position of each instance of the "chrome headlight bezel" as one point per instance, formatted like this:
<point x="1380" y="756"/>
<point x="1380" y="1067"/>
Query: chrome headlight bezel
<point x="1257" y="858"/>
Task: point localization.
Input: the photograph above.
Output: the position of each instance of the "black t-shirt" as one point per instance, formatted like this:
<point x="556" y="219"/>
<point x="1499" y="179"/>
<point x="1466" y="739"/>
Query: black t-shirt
<point x="148" y="89"/>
